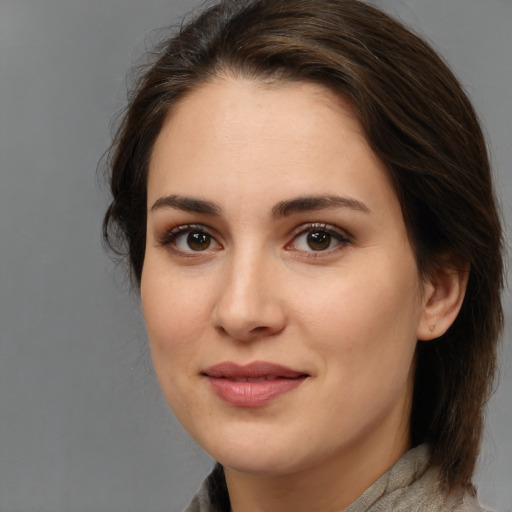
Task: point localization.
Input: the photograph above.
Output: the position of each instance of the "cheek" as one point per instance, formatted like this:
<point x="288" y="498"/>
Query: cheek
<point x="175" y="312"/>
<point x="365" y="317"/>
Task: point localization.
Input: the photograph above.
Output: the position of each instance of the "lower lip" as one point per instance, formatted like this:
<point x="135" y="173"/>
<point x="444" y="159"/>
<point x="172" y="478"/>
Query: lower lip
<point x="252" y="394"/>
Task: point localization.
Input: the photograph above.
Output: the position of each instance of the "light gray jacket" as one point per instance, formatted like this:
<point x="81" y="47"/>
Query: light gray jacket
<point x="407" y="486"/>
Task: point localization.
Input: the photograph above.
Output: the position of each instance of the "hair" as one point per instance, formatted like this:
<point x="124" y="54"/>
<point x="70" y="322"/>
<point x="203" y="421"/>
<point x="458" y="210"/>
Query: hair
<point x="418" y="121"/>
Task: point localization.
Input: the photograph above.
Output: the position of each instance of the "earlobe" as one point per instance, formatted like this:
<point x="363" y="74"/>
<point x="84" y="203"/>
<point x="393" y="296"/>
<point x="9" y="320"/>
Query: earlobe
<point x="443" y="294"/>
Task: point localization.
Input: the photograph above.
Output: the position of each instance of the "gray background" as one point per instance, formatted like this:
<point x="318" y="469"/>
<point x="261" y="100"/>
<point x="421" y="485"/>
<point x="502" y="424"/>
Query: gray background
<point x="82" y="424"/>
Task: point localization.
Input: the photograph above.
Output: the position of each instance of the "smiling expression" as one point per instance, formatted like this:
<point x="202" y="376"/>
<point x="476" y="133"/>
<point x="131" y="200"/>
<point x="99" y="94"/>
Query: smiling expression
<point x="279" y="288"/>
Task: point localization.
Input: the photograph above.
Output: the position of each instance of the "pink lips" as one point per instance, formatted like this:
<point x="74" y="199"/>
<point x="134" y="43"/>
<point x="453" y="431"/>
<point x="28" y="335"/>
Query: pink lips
<point x="254" y="384"/>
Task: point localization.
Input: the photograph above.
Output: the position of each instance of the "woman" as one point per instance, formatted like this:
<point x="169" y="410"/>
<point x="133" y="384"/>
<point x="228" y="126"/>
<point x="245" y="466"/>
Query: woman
<point x="304" y="196"/>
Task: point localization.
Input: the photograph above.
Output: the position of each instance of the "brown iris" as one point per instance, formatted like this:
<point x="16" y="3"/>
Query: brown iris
<point x="319" y="240"/>
<point x="198" y="241"/>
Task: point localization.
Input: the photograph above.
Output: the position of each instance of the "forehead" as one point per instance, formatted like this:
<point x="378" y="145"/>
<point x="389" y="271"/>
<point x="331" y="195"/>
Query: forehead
<point x="231" y="111"/>
<point x="236" y="135"/>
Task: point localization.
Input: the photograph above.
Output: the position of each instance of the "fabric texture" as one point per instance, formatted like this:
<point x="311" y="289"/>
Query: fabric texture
<point x="408" y="486"/>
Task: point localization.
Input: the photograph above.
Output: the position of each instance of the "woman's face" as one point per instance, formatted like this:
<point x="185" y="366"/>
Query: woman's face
<point x="279" y="288"/>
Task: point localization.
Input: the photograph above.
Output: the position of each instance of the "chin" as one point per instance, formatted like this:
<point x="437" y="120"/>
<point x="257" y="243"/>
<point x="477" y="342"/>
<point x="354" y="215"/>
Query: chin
<point x="262" y="464"/>
<point x="264" y="455"/>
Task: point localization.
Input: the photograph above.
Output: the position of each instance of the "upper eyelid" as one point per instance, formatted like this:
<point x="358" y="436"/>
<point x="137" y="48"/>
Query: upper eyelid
<point x="321" y="226"/>
<point x="171" y="233"/>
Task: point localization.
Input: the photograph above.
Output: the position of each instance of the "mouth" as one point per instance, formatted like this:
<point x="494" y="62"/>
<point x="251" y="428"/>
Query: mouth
<point x="253" y="379"/>
<point x="254" y="384"/>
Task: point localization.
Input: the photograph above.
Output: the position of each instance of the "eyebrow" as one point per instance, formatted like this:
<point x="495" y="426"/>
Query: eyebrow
<point x="281" y="209"/>
<point x="188" y="204"/>
<point x="308" y="203"/>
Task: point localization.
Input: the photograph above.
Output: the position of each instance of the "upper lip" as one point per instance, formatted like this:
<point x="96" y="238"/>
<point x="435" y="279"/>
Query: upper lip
<point x="256" y="369"/>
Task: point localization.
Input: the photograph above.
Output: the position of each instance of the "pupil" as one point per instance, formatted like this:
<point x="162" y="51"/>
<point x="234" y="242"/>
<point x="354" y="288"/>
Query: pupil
<point x="319" y="240"/>
<point x="198" y="241"/>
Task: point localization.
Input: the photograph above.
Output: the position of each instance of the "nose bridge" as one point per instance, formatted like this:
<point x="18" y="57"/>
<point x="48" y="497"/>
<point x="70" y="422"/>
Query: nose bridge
<point x="249" y="304"/>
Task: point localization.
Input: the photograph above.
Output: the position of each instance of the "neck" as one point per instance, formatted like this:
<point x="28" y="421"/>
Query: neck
<point x="330" y="486"/>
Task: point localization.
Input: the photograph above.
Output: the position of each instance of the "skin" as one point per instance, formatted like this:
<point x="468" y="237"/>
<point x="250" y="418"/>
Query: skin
<point x="348" y="315"/>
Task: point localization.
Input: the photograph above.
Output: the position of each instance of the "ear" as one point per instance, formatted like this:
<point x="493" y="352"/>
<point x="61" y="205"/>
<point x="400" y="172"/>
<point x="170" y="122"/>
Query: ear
<point x="443" y="293"/>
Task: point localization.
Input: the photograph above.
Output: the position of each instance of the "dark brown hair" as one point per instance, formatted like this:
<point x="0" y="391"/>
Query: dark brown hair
<point x="420" y="123"/>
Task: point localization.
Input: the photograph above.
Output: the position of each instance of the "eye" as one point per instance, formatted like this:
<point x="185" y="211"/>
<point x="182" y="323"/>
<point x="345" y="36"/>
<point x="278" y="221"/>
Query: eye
<point x="189" y="239"/>
<point x="318" y="238"/>
<point x="194" y="241"/>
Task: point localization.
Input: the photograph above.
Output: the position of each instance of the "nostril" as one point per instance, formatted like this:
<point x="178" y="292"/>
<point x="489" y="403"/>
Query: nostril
<point x="220" y="330"/>
<point x="260" y="330"/>
<point x="245" y="335"/>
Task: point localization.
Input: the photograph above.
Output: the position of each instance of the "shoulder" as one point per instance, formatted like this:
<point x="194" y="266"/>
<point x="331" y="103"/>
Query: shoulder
<point x="212" y="496"/>
<point x="412" y="485"/>
<point x="426" y="495"/>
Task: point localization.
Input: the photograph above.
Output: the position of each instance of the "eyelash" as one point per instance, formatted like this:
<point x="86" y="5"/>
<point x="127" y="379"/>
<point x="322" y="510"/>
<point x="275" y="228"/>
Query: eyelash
<point x="342" y="238"/>
<point x="171" y="236"/>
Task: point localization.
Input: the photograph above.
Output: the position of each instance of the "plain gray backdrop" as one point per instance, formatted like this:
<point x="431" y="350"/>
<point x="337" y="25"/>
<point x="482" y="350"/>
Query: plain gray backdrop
<point x="82" y="424"/>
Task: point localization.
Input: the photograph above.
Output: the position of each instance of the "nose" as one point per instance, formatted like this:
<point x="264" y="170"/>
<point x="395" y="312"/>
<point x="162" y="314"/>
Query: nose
<point x="250" y="300"/>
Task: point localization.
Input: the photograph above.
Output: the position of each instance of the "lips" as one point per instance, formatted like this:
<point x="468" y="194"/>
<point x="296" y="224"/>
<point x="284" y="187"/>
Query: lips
<point x="254" y="384"/>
